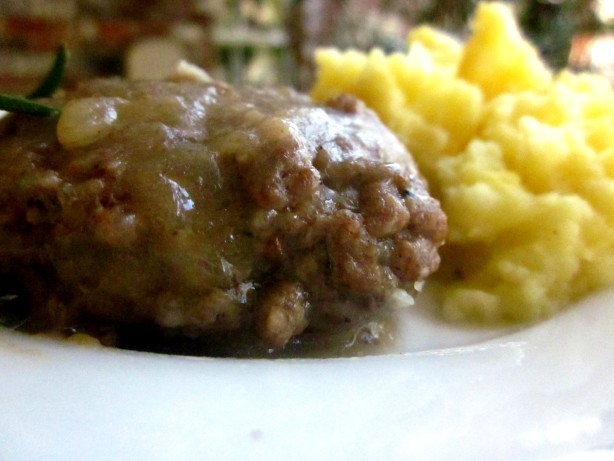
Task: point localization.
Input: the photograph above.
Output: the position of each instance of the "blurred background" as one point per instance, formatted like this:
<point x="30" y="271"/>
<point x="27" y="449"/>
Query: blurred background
<point x="264" y="41"/>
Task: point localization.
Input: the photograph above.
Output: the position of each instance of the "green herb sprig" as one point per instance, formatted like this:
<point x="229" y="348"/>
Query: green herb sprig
<point x="51" y="82"/>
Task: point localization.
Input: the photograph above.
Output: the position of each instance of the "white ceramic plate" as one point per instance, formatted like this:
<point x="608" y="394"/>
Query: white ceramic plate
<point x="546" y="392"/>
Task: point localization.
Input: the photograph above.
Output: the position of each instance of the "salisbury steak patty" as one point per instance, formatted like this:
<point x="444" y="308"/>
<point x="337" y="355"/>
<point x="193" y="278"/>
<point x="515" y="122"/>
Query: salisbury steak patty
<point x="203" y="208"/>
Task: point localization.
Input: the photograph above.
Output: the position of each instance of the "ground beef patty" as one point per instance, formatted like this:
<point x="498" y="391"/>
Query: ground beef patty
<point x="201" y="208"/>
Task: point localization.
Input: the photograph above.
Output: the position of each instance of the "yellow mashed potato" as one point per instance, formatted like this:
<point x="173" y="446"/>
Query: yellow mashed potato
<point x="521" y="159"/>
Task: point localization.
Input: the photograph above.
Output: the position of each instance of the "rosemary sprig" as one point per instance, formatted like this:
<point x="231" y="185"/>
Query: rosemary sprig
<point x="52" y="80"/>
<point x="26" y="105"/>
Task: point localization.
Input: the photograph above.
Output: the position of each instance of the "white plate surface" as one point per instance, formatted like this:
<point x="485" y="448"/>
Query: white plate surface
<point x="546" y="392"/>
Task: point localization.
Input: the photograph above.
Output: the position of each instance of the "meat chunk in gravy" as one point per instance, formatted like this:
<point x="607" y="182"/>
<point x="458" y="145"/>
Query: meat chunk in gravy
<point x="204" y="209"/>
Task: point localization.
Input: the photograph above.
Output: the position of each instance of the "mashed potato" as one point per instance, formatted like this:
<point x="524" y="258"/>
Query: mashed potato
<point x="521" y="159"/>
